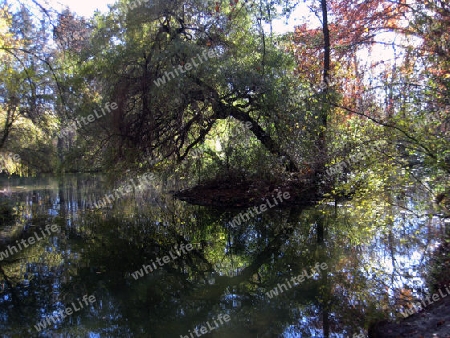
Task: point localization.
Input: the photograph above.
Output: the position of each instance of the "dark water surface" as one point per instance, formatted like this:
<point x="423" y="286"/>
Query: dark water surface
<point x="223" y="286"/>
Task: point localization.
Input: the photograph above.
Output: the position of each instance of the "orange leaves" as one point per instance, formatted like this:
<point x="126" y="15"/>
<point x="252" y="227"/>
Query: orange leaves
<point x="405" y="295"/>
<point x="218" y="9"/>
<point x="355" y="20"/>
<point x="354" y="26"/>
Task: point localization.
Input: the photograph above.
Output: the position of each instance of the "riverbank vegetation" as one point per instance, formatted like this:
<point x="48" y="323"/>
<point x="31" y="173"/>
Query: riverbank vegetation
<point x="352" y="103"/>
<point x="315" y="99"/>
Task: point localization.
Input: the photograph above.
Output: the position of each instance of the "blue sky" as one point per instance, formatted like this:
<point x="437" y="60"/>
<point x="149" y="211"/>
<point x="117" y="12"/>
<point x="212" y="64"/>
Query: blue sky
<point x="82" y="7"/>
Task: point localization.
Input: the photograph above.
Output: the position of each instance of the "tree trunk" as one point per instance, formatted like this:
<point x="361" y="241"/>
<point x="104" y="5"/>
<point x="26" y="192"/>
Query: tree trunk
<point x="222" y="111"/>
<point x="324" y="110"/>
<point x="260" y="134"/>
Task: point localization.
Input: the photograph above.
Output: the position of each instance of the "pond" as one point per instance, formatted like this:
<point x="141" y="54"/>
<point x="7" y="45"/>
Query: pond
<point x="147" y="265"/>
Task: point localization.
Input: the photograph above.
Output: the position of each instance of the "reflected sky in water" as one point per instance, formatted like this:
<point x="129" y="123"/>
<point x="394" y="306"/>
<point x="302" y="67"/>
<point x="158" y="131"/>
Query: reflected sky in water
<point x="228" y="272"/>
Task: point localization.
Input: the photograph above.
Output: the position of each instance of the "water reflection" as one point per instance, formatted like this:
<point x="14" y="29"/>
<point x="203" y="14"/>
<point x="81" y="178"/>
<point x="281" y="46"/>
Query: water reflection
<point x="228" y="272"/>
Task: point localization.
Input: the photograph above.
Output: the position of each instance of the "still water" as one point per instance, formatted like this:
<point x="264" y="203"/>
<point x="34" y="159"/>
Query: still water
<point x="148" y="265"/>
